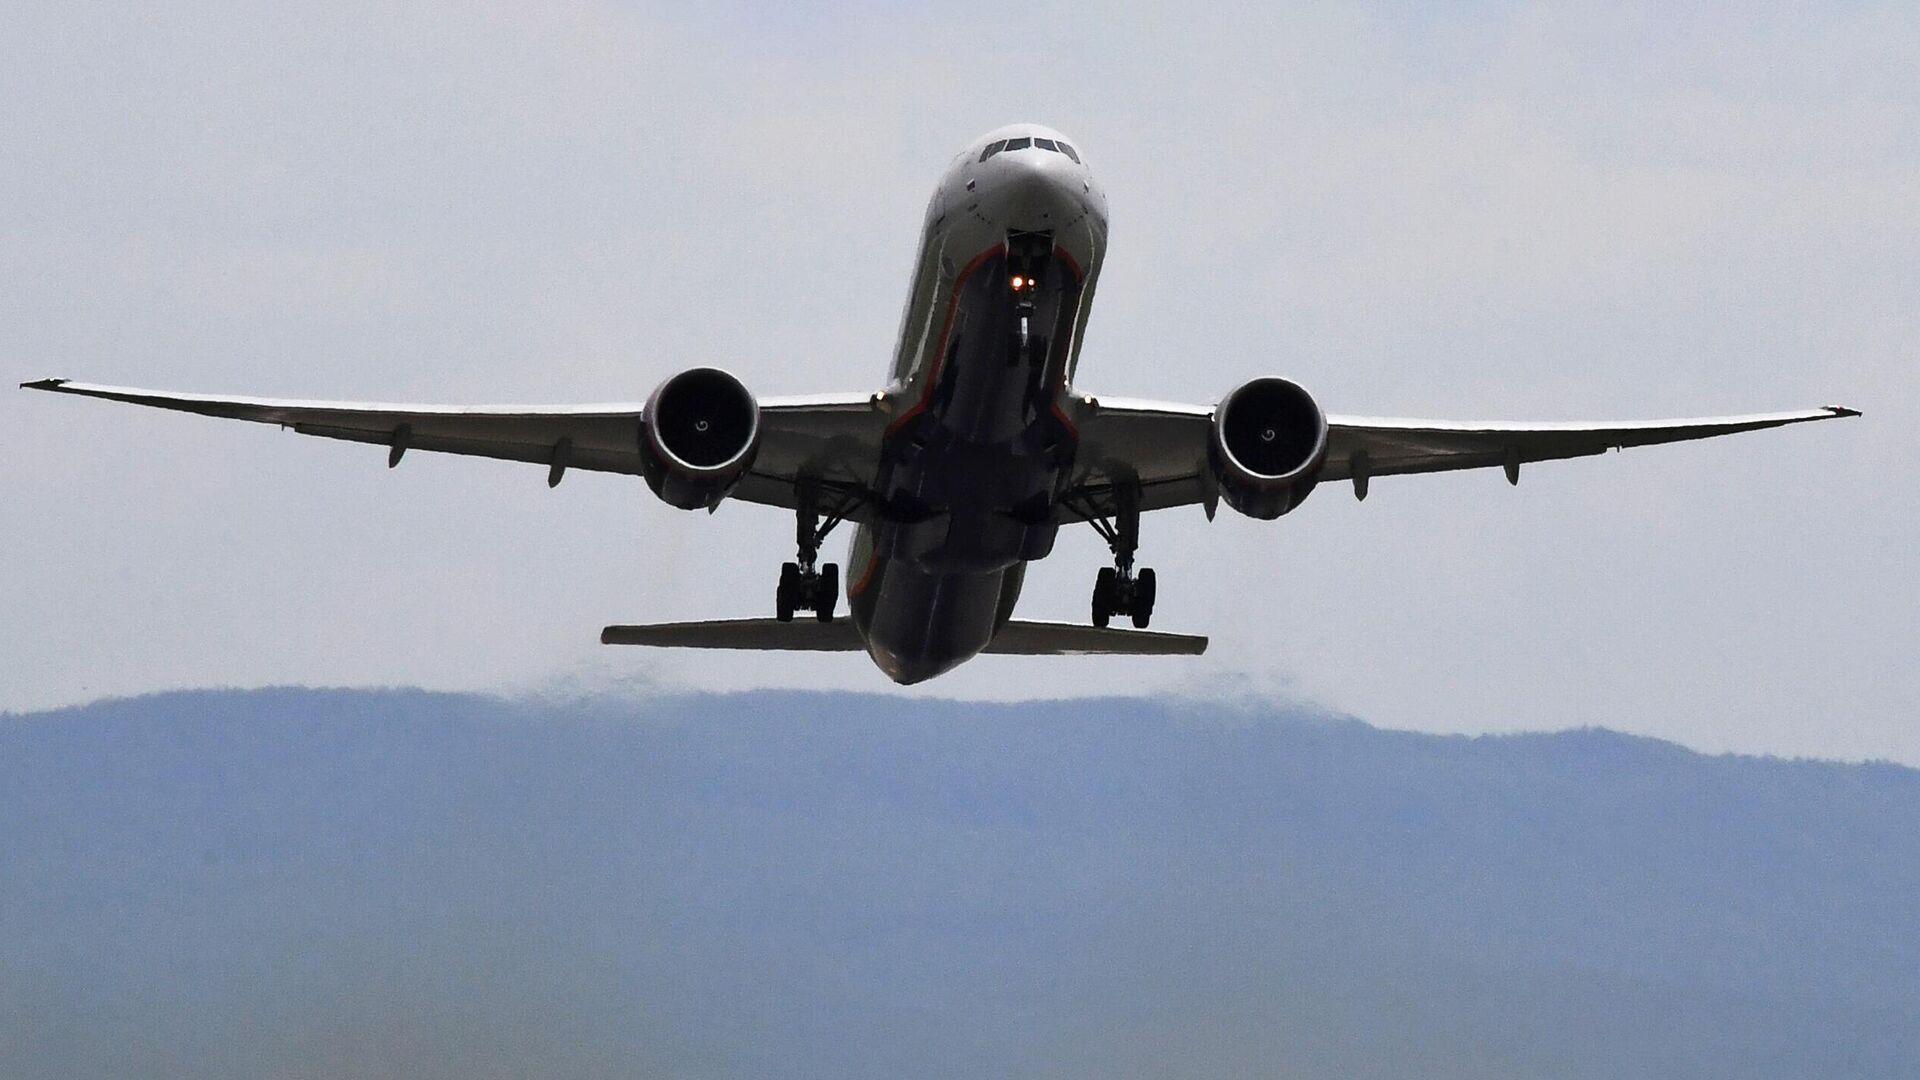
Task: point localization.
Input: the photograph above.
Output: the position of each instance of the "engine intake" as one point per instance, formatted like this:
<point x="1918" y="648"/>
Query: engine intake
<point x="1269" y="443"/>
<point x="699" y="434"/>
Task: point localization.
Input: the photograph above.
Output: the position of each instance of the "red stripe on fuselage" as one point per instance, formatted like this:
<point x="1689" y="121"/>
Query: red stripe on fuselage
<point x="866" y="577"/>
<point x="1060" y="383"/>
<point x="1060" y="415"/>
<point x="946" y="328"/>
<point x="1063" y="255"/>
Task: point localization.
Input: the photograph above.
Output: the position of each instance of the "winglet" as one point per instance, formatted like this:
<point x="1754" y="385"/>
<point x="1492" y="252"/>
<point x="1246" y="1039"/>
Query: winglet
<point x="43" y="384"/>
<point x="1841" y="410"/>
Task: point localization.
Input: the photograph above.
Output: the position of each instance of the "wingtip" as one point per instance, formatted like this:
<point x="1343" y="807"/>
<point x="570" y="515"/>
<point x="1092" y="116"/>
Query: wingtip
<point x="1842" y="410"/>
<point x="43" y="384"/>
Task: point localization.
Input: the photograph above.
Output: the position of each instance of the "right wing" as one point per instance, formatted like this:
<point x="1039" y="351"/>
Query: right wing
<point x="831" y="440"/>
<point x="1376" y="446"/>
<point x="1162" y="447"/>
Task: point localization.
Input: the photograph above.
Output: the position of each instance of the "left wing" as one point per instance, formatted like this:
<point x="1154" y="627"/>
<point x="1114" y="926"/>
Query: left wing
<point x="1162" y="447"/>
<point x="831" y="439"/>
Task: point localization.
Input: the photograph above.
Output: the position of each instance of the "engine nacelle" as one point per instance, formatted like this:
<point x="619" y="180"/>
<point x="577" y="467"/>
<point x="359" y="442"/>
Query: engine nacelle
<point x="1269" y="442"/>
<point x="698" y="436"/>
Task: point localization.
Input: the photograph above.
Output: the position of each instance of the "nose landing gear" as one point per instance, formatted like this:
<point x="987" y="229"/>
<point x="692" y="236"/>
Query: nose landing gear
<point x="1028" y="254"/>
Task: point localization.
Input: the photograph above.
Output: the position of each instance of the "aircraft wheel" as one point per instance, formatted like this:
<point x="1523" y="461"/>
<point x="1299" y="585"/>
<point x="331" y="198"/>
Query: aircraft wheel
<point x="784" y="596"/>
<point x="1144" y="588"/>
<point x="1103" y="587"/>
<point x="826" y="592"/>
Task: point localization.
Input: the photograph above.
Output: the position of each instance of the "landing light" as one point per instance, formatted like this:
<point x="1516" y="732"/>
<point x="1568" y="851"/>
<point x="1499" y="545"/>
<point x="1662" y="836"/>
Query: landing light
<point x="1019" y="283"/>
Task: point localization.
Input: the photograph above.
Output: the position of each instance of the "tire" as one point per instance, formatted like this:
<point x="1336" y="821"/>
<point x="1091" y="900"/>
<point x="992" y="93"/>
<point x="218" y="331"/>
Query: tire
<point x="826" y="593"/>
<point x="1103" y="584"/>
<point x="783" y="597"/>
<point x="1144" y="588"/>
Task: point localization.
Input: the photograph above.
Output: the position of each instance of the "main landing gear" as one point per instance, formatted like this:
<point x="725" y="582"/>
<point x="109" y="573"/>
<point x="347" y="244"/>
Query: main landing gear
<point x="803" y="587"/>
<point x="1118" y="590"/>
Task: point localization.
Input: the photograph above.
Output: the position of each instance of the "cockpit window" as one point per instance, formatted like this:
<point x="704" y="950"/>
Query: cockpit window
<point x="1036" y="142"/>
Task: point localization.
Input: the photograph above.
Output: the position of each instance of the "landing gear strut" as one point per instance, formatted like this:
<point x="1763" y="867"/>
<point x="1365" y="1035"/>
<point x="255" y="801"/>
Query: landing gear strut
<point x="1118" y="590"/>
<point x="1027" y="256"/>
<point x="803" y="586"/>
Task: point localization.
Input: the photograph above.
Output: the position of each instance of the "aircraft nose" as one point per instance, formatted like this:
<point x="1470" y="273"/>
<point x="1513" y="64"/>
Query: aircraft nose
<point x="1035" y="189"/>
<point x="1040" y="169"/>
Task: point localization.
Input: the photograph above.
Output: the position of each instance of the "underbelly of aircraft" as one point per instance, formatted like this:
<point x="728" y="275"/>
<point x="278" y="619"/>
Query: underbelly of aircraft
<point x="918" y="625"/>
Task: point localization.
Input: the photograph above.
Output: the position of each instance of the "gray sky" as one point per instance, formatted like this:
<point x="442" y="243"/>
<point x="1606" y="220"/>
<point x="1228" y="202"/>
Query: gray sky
<point x="1496" y="212"/>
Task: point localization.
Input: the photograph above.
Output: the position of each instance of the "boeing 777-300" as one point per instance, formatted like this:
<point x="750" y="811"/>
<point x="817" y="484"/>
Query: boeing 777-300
<point x="964" y="466"/>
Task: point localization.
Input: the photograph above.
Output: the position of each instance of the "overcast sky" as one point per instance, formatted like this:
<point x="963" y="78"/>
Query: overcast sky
<point x="1496" y="212"/>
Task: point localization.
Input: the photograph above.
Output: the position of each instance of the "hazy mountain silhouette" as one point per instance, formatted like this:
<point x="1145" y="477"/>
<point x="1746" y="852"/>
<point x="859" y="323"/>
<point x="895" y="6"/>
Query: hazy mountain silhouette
<point x="343" y="883"/>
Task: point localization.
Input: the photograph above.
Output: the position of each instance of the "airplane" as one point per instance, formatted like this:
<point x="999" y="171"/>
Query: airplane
<point x="962" y="469"/>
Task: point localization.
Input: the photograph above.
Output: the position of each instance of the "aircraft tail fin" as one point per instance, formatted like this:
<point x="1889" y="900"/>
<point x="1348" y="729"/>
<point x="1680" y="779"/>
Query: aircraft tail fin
<point x="1019" y="637"/>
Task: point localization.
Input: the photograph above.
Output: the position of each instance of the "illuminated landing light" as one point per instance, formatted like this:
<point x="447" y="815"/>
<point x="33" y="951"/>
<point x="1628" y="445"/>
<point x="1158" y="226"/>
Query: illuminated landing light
<point x="1019" y="283"/>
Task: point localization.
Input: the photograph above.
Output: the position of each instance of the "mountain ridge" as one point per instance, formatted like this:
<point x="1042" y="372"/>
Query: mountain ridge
<point x="364" y="882"/>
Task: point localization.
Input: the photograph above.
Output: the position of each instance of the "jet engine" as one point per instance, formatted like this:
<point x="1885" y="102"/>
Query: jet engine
<point x="1268" y="444"/>
<point x="698" y="436"/>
